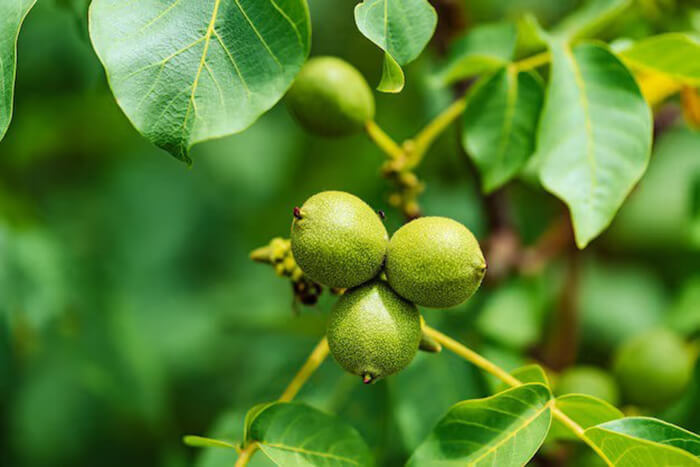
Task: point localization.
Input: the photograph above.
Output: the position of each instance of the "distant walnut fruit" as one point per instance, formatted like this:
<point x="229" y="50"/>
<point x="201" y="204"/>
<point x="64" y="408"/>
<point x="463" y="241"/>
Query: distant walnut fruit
<point x="330" y="97"/>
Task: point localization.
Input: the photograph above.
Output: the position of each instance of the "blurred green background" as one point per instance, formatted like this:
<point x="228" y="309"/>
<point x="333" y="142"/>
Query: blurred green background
<point x="130" y="313"/>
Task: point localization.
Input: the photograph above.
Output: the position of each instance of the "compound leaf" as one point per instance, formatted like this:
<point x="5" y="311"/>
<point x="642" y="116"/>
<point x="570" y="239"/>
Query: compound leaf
<point x="675" y="54"/>
<point x="291" y="433"/>
<point x="500" y="125"/>
<point x="402" y="28"/>
<point x="594" y="137"/>
<point x="12" y="16"/>
<point x="636" y="441"/>
<point x="506" y="429"/>
<point x="185" y="72"/>
<point x="589" y="19"/>
<point x="484" y="48"/>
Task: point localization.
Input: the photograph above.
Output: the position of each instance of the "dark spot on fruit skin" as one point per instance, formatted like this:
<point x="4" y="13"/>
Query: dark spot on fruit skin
<point x="297" y="212"/>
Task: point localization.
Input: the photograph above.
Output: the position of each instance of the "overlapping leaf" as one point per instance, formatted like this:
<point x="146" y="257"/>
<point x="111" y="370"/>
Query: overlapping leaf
<point x="296" y="434"/>
<point x="589" y="19"/>
<point x="505" y="430"/>
<point x="484" y="48"/>
<point x="676" y="55"/>
<point x="402" y="28"/>
<point x="499" y="125"/>
<point x="185" y="72"/>
<point x="12" y="14"/>
<point x="636" y="441"/>
<point x="594" y="138"/>
<point x="585" y="410"/>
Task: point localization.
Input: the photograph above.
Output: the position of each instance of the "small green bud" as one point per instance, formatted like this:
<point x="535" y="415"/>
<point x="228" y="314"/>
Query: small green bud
<point x="434" y="262"/>
<point x="330" y="97"/>
<point x="653" y="369"/>
<point x="338" y="240"/>
<point x="372" y="332"/>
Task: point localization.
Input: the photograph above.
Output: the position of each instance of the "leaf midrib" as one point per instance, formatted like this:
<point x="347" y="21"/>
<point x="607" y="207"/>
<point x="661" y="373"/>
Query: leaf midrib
<point x="308" y="452"/>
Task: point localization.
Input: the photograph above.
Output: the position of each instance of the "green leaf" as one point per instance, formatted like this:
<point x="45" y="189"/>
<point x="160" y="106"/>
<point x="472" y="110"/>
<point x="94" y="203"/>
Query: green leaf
<point x="186" y="72"/>
<point x="635" y="441"/>
<point x="589" y="19"/>
<point x="674" y="54"/>
<point x="594" y="137"/>
<point x="401" y="28"/>
<point x="527" y="374"/>
<point x="393" y="78"/>
<point x="499" y="125"/>
<point x="585" y="410"/>
<point x="202" y="442"/>
<point x="505" y="430"/>
<point x="12" y="16"/>
<point x="484" y="48"/>
<point x="291" y="433"/>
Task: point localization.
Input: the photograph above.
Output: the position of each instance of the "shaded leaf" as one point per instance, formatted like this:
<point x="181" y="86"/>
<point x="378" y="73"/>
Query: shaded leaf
<point x="484" y="48"/>
<point x="589" y="19"/>
<point x="296" y="434"/>
<point x="636" y="441"/>
<point x="527" y="374"/>
<point x="402" y="28"/>
<point x="12" y="16"/>
<point x="505" y="430"/>
<point x="499" y="125"/>
<point x="674" y="54"/>
<point x="585" y="410"/>
<point x="594" y="137"/>
<point x="186" y="72"/>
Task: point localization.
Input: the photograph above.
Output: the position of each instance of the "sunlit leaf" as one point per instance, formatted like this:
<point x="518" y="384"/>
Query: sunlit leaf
<point x="676" y="55"/>
<point x="590" y="18"/>
<point x="594" y="137"/>
<point x="585" y="410"/>
<point x="296" y="434"/>
<point x="402" y="28"/>
<point x="202" y="442"/>
<point x="505" y="430"/>
<point x="12" y="14"/>
<point x="636" y="441"/>
<point x="482" y="49"/>
<point x="499" y="125"/>
<point x="527" y="374"/>
<point x="186" y="72"/>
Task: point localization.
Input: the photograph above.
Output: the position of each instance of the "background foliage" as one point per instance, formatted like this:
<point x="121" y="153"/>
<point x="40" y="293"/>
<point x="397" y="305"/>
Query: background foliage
<point x="131" y="315"/>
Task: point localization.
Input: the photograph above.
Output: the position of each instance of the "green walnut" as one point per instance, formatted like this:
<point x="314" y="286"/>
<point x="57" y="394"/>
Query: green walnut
<point x="653" y="369"/>
<point x="330" y="97"/>
<point x="338" y="240"/>
<point x="588" y="380"/>
<point x="434" y="262"/>
<point x="372" y="332"/>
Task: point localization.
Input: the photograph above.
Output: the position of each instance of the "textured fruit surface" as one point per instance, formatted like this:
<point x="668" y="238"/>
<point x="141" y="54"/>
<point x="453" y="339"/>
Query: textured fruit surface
<point x="330" y="97"/>
<point x="588" y="380"/>
<point x="338" y="240"/>
<point x="372" y="332"/>
<point x="435" y="262"/>
<point x="653" y="369"/>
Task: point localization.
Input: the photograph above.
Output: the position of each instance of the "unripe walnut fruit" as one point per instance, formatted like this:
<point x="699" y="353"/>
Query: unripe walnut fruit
<point x="373" y="332"/>
<point x="338" y="240"/>
<point x="330" y="97"/>
<point x="653" y="369"/>
<point x="434" y="262"/>
<point x="588" y="380"/>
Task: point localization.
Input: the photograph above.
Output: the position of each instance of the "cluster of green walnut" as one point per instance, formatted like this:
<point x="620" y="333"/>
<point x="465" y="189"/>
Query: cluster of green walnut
<point x="374" y="329"/>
